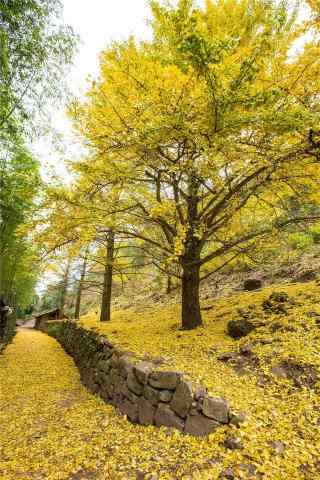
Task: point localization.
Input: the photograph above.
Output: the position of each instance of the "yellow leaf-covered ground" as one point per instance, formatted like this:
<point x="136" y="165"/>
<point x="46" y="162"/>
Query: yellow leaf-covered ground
<point x="52" y="428"/>
<point x="277" y="410"/>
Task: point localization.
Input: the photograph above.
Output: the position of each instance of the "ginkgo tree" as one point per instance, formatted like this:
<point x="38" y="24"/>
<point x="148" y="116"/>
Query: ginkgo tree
<point x="209" y="127"/>
<point x="83" y="219"/>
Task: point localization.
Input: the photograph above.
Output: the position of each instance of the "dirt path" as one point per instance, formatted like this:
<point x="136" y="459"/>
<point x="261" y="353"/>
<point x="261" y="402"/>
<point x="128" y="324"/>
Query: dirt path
<point x="29" y="324"/>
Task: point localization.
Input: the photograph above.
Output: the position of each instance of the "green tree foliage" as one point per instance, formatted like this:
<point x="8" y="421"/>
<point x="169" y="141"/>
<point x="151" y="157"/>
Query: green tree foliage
<point x="19" y="183"/>
<point x="35" y="47"/>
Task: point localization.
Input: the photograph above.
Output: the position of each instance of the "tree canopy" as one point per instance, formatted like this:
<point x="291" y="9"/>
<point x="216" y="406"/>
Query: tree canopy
<point x="208" y="129"/>
<point x="35" y="47"/>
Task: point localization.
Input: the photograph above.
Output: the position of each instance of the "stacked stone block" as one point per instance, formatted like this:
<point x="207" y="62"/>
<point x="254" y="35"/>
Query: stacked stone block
<point x="140" y="390"/>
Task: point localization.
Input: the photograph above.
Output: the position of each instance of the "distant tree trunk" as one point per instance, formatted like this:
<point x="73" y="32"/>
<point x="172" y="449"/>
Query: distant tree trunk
<point x="169" y="284"/>
<point x="1" y="274"/>
<point x="13" y="305"/>
<point x="105" y="315"/>
<point x="190" y="263"/>
<point x="80" y="288"/>
<point x="64" y="288"/>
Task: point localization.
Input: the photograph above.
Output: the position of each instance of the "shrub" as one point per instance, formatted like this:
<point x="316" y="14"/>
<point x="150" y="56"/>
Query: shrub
<point x="300" y="241"/>
<point x="240" y="328"/>
<point x="54" y="329"/>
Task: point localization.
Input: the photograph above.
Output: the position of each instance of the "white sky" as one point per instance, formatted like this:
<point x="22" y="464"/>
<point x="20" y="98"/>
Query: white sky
<point x="97" y="22"/>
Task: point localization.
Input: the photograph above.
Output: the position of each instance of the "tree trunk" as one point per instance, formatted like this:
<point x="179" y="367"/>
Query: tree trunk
<point x="80" y="287"/>
<point x="64" y="288"/>
<point x="169" y="284"/>
<point x="1" y="274"/>
<point x="190" y="262"/>
<point x="191" y="313"/>
<point x="13" y="305"/>
<point x="105" y="315"/>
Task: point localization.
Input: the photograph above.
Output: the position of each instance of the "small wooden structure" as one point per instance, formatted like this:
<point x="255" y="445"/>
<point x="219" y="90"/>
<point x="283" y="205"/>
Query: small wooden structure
<point x="43" y="317"/>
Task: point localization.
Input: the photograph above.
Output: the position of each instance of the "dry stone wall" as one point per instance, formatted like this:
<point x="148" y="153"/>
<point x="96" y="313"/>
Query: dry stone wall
<point x="145" y="394"/>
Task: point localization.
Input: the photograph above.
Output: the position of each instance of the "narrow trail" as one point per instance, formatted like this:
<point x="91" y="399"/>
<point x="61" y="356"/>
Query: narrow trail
<point x="52" y="428"/>
<point x="49" y="425"/>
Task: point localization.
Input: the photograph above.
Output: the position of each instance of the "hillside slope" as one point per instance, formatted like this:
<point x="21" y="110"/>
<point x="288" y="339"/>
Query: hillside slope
<point x="272" y="374"/>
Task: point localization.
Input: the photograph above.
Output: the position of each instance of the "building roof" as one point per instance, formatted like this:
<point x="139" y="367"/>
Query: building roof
<point x="47" y="312"/>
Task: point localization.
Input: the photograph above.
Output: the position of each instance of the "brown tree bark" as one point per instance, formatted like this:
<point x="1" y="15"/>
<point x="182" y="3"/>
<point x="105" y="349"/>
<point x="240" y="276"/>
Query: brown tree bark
<point x="190" y="263"/>
<point x="105" y="315"/>
<point x="191" y="313"/>
<point x="64" y="288"/>
<point x="80" y="288"/>
<point x="169" y="285"/>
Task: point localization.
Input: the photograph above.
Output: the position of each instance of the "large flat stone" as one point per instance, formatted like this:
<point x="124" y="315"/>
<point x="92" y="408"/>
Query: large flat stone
<point x="118" y="386"/>
<point x="114" y="376"/>
<point x="114" y="360"/>
<point x="200" y="426"/>
<point x="216" y="408"/>
<point x="165" y="396"/>
<point x="125" y="366"/>
<point x="151" y="394"/>
<point x="134" y="385"/>
<point x="164" y="380"/>
<point x="182" y="398"/>
<point x="200" y="392"/>
<point x="128" y="393"/>
<point x="146" y="412"/>
<point x="130" y="409"/>
<point x="167" y="418"/>
<point x="252" y="284"/>
<point x="142" y="370"/>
